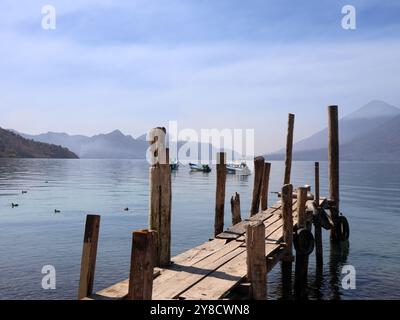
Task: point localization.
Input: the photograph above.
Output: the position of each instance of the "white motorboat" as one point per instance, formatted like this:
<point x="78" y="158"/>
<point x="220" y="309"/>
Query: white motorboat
<point x="238" y="168"/>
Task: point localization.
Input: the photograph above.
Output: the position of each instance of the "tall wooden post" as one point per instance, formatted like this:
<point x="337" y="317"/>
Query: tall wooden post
<point x="89" y="253"/>
<point x="256" y="262"/>
<point x="160" y="196"/>
<point x="265" y="186"/>
<point x="220" y="194"/>
<point x="333" y="158"/>
<point x="143" y="260"/>
<point x="317" y="226"/>
<point x="287" y="259"/>
<point x="235" y="209"/>
<point x="289" y="149"/>
<point x="258" y="179"/>
<point x="287" y="217"/>
<point x="301" y="259"/>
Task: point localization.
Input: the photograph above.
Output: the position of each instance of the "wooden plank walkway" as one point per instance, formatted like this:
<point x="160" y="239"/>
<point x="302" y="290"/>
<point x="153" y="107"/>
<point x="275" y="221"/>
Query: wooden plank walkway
<point x="214" y="268"/>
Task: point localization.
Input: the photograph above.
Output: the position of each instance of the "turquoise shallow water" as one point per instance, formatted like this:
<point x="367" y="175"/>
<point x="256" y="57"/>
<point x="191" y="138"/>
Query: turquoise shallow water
<point x="32" y="235"/>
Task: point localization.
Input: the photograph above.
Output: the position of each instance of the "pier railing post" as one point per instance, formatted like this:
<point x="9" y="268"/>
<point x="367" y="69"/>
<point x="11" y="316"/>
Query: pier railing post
<point x="220" y="194"/>
<point x="89" y="253"/>
<point x="333" y="159"/>
<point x="287" y="259"/>
<point x="142" y="265"/>
<point x="258" y="179"/>
<point x="256" y="262"/>
<point x="289" y="149"/>
<point x="265" y="186"/>
<point x="287" y="217"/>
<point x="317" y="226"/>
<point x="160" y="196"/>
<point x="235" y="208"/>
<point x="301" y="258"/>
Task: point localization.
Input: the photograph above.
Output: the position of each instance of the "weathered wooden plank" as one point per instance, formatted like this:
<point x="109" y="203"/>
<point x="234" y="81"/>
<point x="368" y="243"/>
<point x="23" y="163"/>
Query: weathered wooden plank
<point x="171" y="287"/>
<point x="194" y="255"/>
<point x="222" y="280"/>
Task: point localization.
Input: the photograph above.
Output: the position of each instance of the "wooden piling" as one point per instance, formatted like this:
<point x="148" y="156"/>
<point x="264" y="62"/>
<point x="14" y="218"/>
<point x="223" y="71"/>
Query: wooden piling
<point x="258" y="179"/>
<point x="265" y="186"/>
<point x="287" y="217"/>
<point x="160" y="197"/>
<point x="289" y="149"/>
<point x="220" y="194"/>
<point x="256" y="262"/>
<point x="89" y="253"/>
<point x="235" y="209"/>
<point x="143" y="260"/>
<point x="317" y="226"/>
<point x="333" y="159"/>
<point x="301" y="259"/>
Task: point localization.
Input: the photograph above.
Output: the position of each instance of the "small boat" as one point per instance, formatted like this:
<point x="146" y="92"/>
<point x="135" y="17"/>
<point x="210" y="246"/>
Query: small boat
<point x="200" y="167"/>
<point x="174" y="165"/>
<point x="238" y="168"/>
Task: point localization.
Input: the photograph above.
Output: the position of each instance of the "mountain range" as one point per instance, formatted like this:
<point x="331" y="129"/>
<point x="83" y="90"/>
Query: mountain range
<point x="369" y="134"/>
<point x="13" y="145"/>
<point x="372" y="133"/>
<point x="114" y="145"/>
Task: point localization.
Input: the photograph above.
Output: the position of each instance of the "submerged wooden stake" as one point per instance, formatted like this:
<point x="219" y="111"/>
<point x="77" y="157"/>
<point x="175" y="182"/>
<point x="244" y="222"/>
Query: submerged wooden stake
<point x="287" y="217"/>
<point x="301" y="259"/>
<point x="256" y="262"/>
<point x="289" y="149"/>
<point x="160" y="196"/>
<point x="89" y="253"/>
<point x="142" y="265"/>
<point x="220" y="194"/>
<point x="258" y="179"/>
<point x="333" y="159"/>
<point x="317" y="226"/>
<point x="265" y="186"/>
<point x="235" y="208"/>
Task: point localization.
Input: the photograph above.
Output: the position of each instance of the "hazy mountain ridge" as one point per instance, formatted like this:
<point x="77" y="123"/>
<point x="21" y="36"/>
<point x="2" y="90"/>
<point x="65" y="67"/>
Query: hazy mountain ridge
<point x="13" y="145"/>
<point x="368" y="134"/>
<point x="114" y="145"/>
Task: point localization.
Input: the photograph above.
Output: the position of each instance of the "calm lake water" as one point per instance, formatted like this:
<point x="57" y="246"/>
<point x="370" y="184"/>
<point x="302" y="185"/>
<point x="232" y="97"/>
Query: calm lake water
<point x="32" y="235"/>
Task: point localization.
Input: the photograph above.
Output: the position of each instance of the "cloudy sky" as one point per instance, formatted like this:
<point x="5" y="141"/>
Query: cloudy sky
<point x="137" y="64"/>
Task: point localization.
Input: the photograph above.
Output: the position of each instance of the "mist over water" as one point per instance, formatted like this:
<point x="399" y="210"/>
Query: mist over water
<point x="32" y="235"/>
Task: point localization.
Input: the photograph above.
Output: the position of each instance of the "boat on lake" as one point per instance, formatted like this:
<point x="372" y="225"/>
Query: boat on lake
<point x="238" y="168"/>
<point x="200" y="167"/>
<point x="174" y="165"/>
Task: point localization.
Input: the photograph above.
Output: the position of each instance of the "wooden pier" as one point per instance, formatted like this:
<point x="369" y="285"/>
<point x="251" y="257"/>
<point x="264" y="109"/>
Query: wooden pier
<point x="237" y="260"/>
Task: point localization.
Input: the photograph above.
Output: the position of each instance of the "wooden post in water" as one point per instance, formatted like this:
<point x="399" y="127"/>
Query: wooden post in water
<point x="287" y="259"/>
<point x="160" y="196"/>
<point x="289" y="149"/>
<point x="265" y="186"/>
<point x="256" y="262"/>
<point x="317" y="226"/>
<point x="333" y="158"/>
<point x="287" y="217"/>
<point x="220" y="194"/>
<point x="301" y="258"/>
<point x="89" y="253"/>
<point x="258" y="179"/>
<point x="235" y="208"/>
<point x="142" y="265"/>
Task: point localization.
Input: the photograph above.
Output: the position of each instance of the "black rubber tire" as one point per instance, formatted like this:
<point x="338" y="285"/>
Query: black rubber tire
<point x="304" y="241"/>
<point x="342" y="229"/>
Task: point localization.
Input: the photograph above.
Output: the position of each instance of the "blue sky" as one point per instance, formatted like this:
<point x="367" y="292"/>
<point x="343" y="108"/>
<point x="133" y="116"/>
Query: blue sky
<point x="133" y="65"/>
